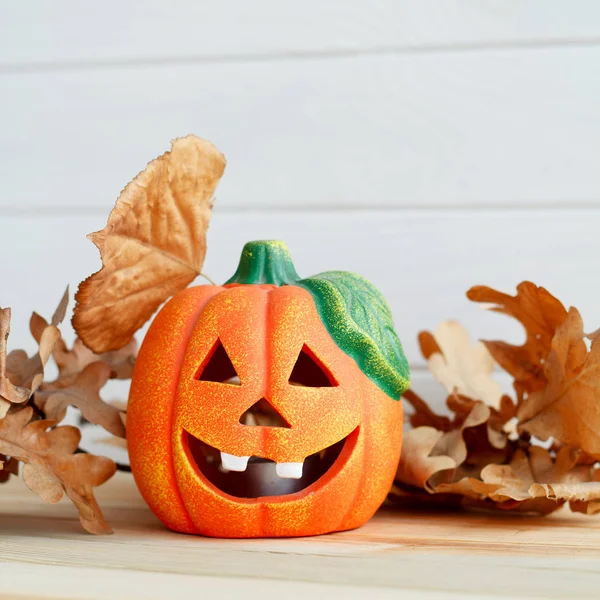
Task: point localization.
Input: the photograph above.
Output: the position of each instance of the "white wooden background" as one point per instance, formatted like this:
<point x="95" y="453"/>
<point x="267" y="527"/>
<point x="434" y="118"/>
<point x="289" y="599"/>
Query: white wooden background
<point x="428" y="145"/>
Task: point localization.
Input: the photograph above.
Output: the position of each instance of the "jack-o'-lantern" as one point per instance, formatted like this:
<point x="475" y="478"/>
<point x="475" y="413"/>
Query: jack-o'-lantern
<point x="268" y="406"/>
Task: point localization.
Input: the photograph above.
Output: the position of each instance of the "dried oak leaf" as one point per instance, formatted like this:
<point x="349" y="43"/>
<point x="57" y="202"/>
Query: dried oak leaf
<point x="9" y="392"/>
<point x="540" y="313"/>
<point x="29" y="371"/>
<point x="95" y="439"/>
<point x="492" y="424"/>
<point x="84" y="394"/>
<point x="427" y="452"/>
<point x="581" y="488"/>
<point x="38" y="324"/>
<point x="527" y="474"/>
<point x="461" y="367"/>
<point x="486" y="439"/>
<point x="582" y="494"/>
<point x="453" y="443"/>
<point x="568" y="408"/>
<point x="115" y="441"/>
<point x="71" y="362"/>
<point x="423" y="415"/>
<point x="8" y="466"/>
<point x="533" y="482"/>
<point x="21" y="375"/>
<point x="153" y="244"/>
<point x="51" y="467"/>
<point x="416" y="463"/>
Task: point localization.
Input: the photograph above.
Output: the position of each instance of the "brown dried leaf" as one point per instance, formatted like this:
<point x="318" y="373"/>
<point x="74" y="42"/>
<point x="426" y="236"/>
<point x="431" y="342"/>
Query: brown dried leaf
<point x="469" y="487"/>
<point x="20" y="375"/>
<point x="61" y="310"/>
<point x="500" y="423"/>
<point x="521" y="479"/>
<point x="84" y="394"/>
<point x="452" y="442"/>
<point x="94" y="437"/>
<point x="9" y="393"/>
<point x="121" y="362"/>
<point x="496" y="462"/>
<point x="428" y="344"/>
<point x="29" y="372"/>
<point x="568" y="408"/>
<point x="416" y="463"/>
<point x="51" y="468"/>
<point x="71" y="362"/>
<point x="423" y="415"/>
<point x="8" y="466"/>
<point x="540" y="313"/>
<point x="515" y="479"/>
<point x="153" y="245"/>
<point x="576" y="492"/>
<point x="429" y="454"/>
<point x="38" y="324"/>
<point x="582" y="491"/>
<point x="462" y="368"/>
<point x="490" y="433"/>
<point x="528" y="484"/>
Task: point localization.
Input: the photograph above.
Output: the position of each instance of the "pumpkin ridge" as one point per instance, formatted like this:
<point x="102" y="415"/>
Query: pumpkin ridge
<point x="347" y="516"/>
<point x="184" y="348"/>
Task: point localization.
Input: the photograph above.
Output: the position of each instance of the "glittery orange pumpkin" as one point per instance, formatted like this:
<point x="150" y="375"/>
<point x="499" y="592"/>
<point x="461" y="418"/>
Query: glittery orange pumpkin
<point x="268" y="406"/>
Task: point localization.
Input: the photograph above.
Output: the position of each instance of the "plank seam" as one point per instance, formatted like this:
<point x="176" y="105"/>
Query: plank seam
<point x="592" y="205"/>
<point x="292" y="55"/>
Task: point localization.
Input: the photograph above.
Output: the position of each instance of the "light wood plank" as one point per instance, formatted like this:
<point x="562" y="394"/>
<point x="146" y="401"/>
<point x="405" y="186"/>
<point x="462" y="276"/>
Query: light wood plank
<point x="60" y="582"/>
<point x="435" y="553"/>
<point x="38" y="34"/>
<point x="496" y="128"/>
<point x="422" y="262"/>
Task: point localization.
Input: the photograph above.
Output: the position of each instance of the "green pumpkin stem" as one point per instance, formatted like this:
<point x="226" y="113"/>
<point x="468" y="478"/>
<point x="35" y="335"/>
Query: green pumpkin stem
<point x="265" y="261"/>
<point x="352" y="309"/>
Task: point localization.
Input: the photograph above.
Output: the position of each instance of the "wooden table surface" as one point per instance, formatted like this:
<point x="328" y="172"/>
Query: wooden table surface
<point x="45" y="554"/>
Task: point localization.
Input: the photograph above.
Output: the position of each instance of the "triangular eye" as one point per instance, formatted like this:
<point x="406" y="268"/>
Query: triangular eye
<point x="218" y="367"/>
<point x="263" y="414"/>
<point x="309" y="371"/>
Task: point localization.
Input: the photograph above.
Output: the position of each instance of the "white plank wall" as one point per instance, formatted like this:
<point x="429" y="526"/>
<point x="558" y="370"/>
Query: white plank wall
<point x="422" y="261"/>
<point x="496" y="127"/>
<point x="427" y="145"/>
<point x="66" y="33"/>
<point x="316" y="104"/>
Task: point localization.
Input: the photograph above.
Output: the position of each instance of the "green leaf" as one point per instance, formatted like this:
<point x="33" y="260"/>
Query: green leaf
<point x="360" y="322"/>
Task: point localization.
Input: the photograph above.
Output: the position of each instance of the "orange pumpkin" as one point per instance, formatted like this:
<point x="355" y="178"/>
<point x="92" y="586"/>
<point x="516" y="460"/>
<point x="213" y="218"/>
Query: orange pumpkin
<point x="268" y="406"/>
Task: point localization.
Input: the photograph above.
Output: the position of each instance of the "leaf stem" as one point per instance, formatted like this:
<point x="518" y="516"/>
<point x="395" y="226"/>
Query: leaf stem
<point x="207" y="278"/>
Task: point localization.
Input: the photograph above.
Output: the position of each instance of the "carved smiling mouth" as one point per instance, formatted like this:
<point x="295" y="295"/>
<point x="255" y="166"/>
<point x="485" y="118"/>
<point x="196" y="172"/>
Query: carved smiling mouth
<point x="256" y="477"/>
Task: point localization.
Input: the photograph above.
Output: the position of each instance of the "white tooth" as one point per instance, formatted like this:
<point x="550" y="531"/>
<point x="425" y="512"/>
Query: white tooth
<point x="234" y="463"/>
<point x="289" y="470"/>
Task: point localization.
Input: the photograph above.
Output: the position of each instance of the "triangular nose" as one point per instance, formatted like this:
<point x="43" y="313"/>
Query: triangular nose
<point x="263" y="414"/>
